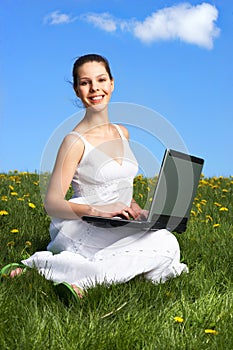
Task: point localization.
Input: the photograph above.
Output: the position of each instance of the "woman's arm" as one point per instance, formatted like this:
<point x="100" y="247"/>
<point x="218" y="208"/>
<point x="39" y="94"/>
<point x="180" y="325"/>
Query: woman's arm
<point x="69" y="156"/>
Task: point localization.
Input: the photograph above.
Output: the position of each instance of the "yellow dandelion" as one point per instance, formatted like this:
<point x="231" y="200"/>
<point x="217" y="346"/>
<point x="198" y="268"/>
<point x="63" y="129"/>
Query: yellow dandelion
<point x="14" y="194"/>
<point x="217" y="204"/>
<point x="26" y="195"/>
<point x="211" y="331"/>
<point x="31" y="205"/>
<point x="28" y="244"/>
<point x="10" y="244"/>
<point x="216" y="225"/>
<point x="4" y="198"/>
<point x="223" y="209"/>
<point x="198" y="205"/>
<point x="11" y="188"/>
<point x="3" y="212"/>
<point x="14" y="230"/>
<point x="209" y="218"/>
<point x="203" y="182"/>
<point x="139" y="177"/>
<point x="36" y="183"/>
<point x="141" y="195"/>
<point x="203" y="201"/>
<point x="179" y="319"/>
<point x="20" y="199"/>
<point x="225" y="190"/>
<point x="193" y="213"/>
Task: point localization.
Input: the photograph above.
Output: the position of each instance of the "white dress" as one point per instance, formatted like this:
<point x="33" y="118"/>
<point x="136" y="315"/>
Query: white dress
<point x="83" y="254"/>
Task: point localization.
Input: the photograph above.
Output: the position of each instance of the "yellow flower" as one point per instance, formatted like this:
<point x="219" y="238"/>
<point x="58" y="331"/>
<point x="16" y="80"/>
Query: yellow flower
<point x="31" y="205"/>
<point x="211" y="331"/>
<point x="4" y="198"/>
<point x="198" y="205"/>
<point x="193" y="212"/>
<point x="223" y="209"/>
<point x="3" y="212"/>
<point x="14" y="230"/>
<point x="28" y="243"/>
<point x="20" y="199"/>
<point x="11" y="188"/>
<point x="216" y="225"/>
<point x="140" y="195"/>
<point x="209" y="218"/>
<point x="10" y="244"/>
<point x="14" y="193"/>
<point x="217" y="204"/>
<point x="225" y="190"/>
<point x="179" y="319"/>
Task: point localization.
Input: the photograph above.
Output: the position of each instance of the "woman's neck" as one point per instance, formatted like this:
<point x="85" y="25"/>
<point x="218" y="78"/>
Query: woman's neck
<point x="95" y="118"/>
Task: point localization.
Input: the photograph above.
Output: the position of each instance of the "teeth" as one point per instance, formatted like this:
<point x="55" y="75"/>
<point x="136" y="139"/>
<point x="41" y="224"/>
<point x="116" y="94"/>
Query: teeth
<point x="97" y="98"/>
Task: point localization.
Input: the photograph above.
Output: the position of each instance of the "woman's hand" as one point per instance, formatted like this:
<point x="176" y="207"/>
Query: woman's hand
<point x="114" y="209"/>
<point x="140" y="214"/>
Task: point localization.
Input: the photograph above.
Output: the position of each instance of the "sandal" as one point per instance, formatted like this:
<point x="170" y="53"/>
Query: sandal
<point x="67" y="293"/>
<point x="7" y="269"/>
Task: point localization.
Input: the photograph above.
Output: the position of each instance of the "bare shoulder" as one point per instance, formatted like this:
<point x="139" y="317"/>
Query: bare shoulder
<point x="72" y="144"/>
<point x="124" y="130"/>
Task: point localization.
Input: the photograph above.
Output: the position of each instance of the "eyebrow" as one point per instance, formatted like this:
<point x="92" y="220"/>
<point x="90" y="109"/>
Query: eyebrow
<point x="98" y="76"/>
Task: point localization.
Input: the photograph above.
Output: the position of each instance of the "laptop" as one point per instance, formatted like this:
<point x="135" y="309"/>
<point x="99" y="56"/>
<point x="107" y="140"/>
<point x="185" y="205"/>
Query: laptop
<point x="172" y="199"/>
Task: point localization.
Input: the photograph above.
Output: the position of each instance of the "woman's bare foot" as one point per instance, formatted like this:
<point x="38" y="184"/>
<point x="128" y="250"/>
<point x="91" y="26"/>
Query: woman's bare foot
<point x="77" y="290"/>
<point x="16" y="272"/>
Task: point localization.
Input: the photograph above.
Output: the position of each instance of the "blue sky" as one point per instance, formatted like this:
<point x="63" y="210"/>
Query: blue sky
<point x="173" y="57"/>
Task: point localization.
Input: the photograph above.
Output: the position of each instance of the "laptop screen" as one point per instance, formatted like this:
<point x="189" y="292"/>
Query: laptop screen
<point x="176" y="187"/>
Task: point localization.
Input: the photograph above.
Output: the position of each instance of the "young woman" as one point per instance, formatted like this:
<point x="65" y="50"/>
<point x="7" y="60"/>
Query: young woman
<point x="96" y="158"/>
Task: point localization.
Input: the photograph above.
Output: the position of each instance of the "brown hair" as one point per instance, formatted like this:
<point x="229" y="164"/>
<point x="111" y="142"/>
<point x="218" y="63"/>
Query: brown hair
<point x="89" y="58"/>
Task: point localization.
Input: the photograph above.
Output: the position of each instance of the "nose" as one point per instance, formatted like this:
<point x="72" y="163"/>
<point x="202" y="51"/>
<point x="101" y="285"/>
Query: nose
<point x="94" y="86"/>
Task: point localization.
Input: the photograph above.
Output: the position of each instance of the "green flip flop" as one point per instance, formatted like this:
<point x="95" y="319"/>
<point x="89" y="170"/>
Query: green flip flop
<point x="67" y="293"/>
<point x="6" y="270"/>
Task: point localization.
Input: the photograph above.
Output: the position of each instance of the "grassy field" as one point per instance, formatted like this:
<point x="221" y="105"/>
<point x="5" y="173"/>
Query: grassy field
<point x="191" y="312"/>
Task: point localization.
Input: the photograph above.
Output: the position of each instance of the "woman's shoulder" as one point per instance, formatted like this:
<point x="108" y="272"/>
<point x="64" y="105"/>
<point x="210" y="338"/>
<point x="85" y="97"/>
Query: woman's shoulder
<point x="124" y="130"/>
<point x="72" y="142"/>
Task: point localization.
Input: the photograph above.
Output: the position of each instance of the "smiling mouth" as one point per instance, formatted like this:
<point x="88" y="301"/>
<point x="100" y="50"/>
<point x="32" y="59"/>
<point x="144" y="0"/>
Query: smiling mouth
<point x="97" y="98"/>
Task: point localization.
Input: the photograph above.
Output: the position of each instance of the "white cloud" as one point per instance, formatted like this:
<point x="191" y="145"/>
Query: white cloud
<point x="57" y="18"/>
<point x="103" y="21"/>
<point x="192" y="24"/>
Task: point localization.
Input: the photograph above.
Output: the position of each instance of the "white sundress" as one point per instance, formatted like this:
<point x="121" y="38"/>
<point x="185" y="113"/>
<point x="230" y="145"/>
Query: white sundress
<point x="82" y="254"/>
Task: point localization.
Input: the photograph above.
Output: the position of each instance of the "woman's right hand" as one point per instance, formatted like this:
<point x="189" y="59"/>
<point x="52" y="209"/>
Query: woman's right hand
<point x="114" y="209"/>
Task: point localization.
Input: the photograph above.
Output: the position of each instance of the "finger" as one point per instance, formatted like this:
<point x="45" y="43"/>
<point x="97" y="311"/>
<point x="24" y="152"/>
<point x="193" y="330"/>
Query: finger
<point x="131" y="212"/>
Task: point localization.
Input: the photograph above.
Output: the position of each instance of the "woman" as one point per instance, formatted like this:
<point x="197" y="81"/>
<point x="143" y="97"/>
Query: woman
<point x="96" y="158"/>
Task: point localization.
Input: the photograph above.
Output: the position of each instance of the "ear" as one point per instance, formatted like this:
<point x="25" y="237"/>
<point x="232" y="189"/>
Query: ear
<point x="76" y="92"/>
<point x="112" y="85"/>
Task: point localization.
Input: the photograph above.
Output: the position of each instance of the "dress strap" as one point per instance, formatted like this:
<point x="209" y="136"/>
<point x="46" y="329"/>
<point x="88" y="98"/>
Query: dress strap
<point x="79" y="135"/>
<point x="120" y="131"/>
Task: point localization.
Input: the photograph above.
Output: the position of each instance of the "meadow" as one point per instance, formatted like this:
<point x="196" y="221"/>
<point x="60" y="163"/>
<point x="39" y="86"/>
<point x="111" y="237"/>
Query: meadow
<point x="191" y="312"/>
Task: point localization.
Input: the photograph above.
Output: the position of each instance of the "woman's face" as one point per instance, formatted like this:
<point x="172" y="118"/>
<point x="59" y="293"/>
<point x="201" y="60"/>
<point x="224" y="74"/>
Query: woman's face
<point x="94" y="86"/>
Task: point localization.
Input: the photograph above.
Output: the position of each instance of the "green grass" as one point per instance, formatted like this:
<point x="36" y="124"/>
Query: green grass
<point x="134" y="315"/>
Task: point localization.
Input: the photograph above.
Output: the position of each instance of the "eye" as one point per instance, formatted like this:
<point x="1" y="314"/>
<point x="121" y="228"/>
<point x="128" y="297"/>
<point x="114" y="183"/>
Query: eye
<point x="83" y="83"/>
<point x="102" y="80"/>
